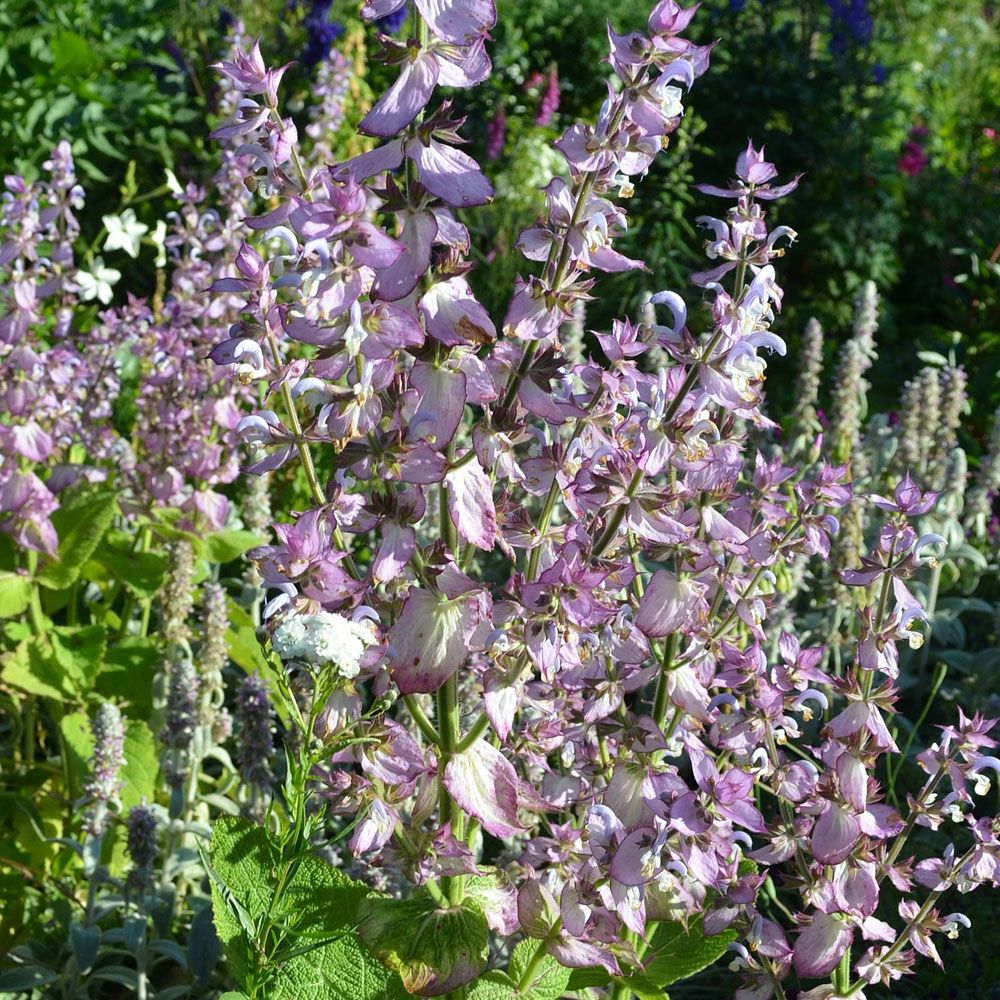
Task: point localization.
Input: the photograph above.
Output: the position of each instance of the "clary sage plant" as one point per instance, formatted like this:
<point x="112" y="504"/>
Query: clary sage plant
<point x="555" y="669"/>
<point x="522" y="636"/>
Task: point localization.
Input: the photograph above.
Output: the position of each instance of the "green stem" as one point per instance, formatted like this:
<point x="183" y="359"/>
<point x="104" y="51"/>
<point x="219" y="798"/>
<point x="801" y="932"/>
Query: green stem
<point x="892" y="773"/>
<point x="869" y="675"/>
<point x="479" y="727"/>
<point x="660" y="701"/>
<point x="842" y="974"/>
<point x="548" y="508"/>
<point x="527" y="979"/>
<point x="420" y="718"/>
<point x="932" y="598"/>
<point x="450" y="736"/>
<point x="904" y="935"/>
<point x="611" y="530"/>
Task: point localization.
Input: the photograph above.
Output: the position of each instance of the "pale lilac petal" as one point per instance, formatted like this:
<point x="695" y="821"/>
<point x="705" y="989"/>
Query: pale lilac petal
<point x="834" y="835"/>
<point x="470" y="504"/>
<point x="853" y="778"/>
<point x="458" y="21"/>
<point x="500" y="701"/>
<point x="577" y="954"/>
<point x="467" y="67"/>
<point x="404" y="100"/>
<point x="400" y="278"/>
<point x="454" y="316"/>
<point x="374" y="9"/>
<point x="376" y="161"/>
<point x="398" y="543"/>
<point x="442" y="399"/>
<point x="31" y="441"/>
<point x="450" y="174"/>
<point x="484" y="783"/>
<point x="669" y="604"/>
<point x="819" y="947"/>
<point x="430" y="640"/>
<point x="372" y="246"/>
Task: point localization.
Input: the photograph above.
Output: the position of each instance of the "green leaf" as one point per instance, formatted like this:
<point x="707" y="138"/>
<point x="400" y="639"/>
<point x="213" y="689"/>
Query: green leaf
<point x="72" y="54"/>
<point x="128" y="671"/>
<point x="434" y="949"/>
<point x="142" y="764"/>
<point x="77" y="738"/>
<point x="203" y="947"/>
<point x="494" y="986"/>
<point x="674" y="953"/>
<point x="142" y="572"/>
<point x="549" y="978"/>
<point x="35" y="669"/>
<point x="81" y="524"/>
<point x="225" y="546"/>
<point x="319" y="956"/>
<point x="26" y="978"/>
<point x="80" y="651"/>
<point x="15" y="594"/>
<point x="678" y="953"/>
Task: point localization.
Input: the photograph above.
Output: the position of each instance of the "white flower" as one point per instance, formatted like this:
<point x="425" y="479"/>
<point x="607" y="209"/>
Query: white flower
<point x="97" y="284"/>
<point x="325" y="638"/>
<point x="125" y="232"/>
<point x="159" y="239"/>
<point x="173" y="184"/>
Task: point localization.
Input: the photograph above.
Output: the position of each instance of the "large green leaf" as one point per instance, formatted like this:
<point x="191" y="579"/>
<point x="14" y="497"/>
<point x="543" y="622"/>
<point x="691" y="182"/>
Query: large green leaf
<point x="80" y="524"/>
<point x="320" y="957"/>
<point x="80" y="651"/>
<point x="142" y="764"/>
<point x="494" y="986"/>
<point x="435" y="949"/>
<point x="678" y="953"/>
<point x="15" y="594"/>
<point x="34" y="668"/>
<point x="128" y="671"/>
<point x="674" y="953"/>
<point x="224" y="546"/>
<point x="142" y="572"/>
<point x="547" y="980"/>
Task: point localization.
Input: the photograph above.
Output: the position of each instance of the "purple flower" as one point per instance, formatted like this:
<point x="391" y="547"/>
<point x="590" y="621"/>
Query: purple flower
<point x="104" y="783"/>
<point x="253" y="731"/>
<point x="496" y="134"/>
<point x="550" y="99"/>
<point x="141" y="843"/>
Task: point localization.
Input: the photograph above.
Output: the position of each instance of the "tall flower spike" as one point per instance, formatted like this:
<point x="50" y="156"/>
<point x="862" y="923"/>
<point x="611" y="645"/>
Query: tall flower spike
<point x="986" y="486"/>
<point x="253" y="732"/>
<point x="104" y="784"/>
<point x="810" y="375"/>
<point x="177" y="598"/>
<point x="181" y="720"/>
<point x="141" y="843"/>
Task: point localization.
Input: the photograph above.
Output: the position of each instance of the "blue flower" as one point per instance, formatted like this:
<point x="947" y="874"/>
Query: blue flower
<point x="391" y="23"/>
<point x="850" y="23"/>
<point x="321" y="33"/>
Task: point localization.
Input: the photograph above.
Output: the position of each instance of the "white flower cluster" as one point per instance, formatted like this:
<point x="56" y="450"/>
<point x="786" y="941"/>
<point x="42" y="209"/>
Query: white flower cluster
<point x="324" y="638"/>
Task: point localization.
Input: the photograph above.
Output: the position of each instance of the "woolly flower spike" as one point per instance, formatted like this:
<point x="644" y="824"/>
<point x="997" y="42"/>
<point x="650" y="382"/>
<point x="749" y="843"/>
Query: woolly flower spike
<point x="178" y="596"/>
<point x="106" y="763"/>
<point x="141" y="843"/>
<point x="254" y="728"/>
<point x="181" y="717"/>
<point x="324" y="638"/>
